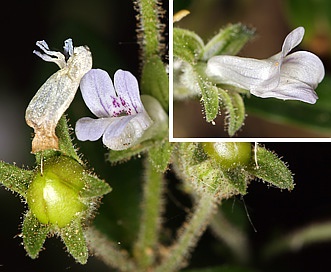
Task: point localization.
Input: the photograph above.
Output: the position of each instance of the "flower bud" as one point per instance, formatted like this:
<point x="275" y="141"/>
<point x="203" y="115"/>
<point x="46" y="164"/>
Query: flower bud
<point x="53" y="195"/>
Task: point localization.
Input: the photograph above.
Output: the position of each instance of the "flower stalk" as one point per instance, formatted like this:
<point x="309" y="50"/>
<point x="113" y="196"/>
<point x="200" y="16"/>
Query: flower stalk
<point x="189" y="234"/>
<point x="107" y="251"/>
<point x="146" y="245"/>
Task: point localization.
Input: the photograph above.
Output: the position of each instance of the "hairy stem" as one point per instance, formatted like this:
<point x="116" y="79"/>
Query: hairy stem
<point x="146" y="245"/>
<point x="108" y="252"/>
<point x="189" y="235"/>
<point x="149" y="28"/>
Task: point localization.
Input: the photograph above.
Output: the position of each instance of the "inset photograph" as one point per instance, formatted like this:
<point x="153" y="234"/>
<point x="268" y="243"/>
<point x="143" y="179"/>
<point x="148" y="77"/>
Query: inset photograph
<point x="251" y="69"/>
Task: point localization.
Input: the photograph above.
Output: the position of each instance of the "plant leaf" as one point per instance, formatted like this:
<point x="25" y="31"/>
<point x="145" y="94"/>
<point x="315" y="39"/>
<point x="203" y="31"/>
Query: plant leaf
<point x="155" y="81"/>
<point x="160" y="156"/>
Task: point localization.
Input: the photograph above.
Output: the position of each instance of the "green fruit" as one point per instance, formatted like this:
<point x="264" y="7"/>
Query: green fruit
<point x="229" y="155"/>
<point x="53" y="195"/>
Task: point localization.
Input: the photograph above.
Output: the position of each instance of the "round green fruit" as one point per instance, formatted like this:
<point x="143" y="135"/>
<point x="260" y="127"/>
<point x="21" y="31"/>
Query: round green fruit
<point x="229" y="154"/>
<point x="53" y="195"/>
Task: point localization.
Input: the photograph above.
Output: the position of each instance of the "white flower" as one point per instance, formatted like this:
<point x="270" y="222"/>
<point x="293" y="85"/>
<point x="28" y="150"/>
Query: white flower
<point x="122" y="118"/>
<point x="56" y="94"/>
<point x="283" y="76"/>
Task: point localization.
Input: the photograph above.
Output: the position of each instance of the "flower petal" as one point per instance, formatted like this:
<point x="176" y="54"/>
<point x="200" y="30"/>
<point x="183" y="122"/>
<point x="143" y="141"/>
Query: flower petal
<point x="290" y="89"/>
<point x="303" y="66"/>
<point x="98" y="92"/>
<point x="127" y="88"/>
<point x="125" y="131"/>
<point x="91" y="129"/>
<point x="246" y="73"/>
<point x="292" y="40"/>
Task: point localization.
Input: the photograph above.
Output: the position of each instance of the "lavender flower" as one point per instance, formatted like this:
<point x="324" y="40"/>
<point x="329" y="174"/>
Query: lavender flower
<point x="122" y="118"/>
<point x="283" y="76"/>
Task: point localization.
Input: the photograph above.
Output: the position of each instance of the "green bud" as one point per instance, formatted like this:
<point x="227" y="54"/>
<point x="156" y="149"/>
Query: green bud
<point x="53" y="195"/>
<point x="230" y="154"/>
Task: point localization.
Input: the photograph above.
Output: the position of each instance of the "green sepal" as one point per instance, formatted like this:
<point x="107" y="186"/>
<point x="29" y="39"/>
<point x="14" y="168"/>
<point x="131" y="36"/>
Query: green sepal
<point x="271" y="169"/>
<point x="202" y="174"/>
<point x="228" y="41"/>
<point x="15" y="178"/>
<point x="65" y="143"/>
<point x="234" y="107"/>
<point x="155" y="81"/>
<point x="160" y="155"/>
<point x="34" y="234"/>
<point x="238" y="179"/>
<point x="187" y="45"/>
<point x="94" y="187"/>
<point x="74" y="239"/>
<point x="209" y="98"/>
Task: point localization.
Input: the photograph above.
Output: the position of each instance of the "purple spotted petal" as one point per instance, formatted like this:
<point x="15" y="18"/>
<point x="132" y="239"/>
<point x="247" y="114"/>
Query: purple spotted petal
<point x="98" y="92"/>
<point x="127" y="89"/>
<point x="88" y="129"/>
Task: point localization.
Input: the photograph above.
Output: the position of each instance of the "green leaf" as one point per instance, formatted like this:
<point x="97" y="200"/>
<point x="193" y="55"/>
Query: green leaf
<point x="155" y="81"/>
<point x="94" y="187"/>
<point x="234" y="107"/>
<point x="316" y="118"/>
<point x="228" y="41"/>
<point x="187" y="45"/>
<point x="160" y="154"/>
<point x="272" y="169"/>
<point x="74" y="239"/>
<point x="34" y="234"/>
<point x="15" y="178"/>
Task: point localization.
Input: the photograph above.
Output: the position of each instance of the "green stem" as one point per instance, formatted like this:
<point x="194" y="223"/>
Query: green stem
<point x="108" y="252"/>
<point x="316" y="233"/>
<point x="146" y="245"/>
<point x="189" y="235"/>
<point x="149" y="28"/>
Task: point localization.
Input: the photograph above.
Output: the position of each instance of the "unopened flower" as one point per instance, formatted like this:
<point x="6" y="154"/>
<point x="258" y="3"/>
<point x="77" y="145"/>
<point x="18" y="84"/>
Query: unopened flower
<point x="56" y="94"/>
<point x="122" y="118"/>
<point x="283" y="76"/>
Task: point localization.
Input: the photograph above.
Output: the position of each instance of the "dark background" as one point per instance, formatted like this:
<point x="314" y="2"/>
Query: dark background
<point x="107" y="27"/>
